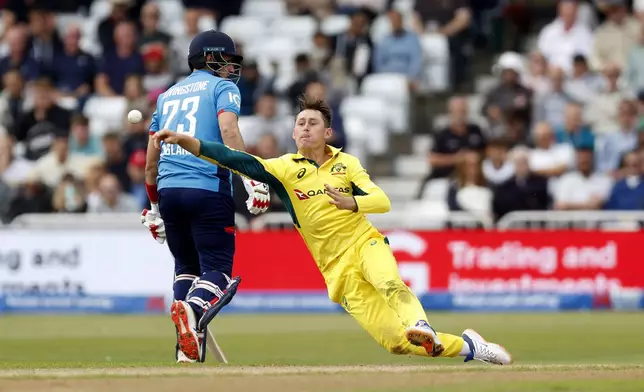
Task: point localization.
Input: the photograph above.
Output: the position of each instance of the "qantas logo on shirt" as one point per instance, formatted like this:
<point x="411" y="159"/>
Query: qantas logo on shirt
<point x="301" y="195"/>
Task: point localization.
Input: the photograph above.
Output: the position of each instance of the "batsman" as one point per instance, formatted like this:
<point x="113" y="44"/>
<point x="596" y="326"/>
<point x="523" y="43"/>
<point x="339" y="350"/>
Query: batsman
<point x="192" y="204"/>
<point x="327" y="193"/>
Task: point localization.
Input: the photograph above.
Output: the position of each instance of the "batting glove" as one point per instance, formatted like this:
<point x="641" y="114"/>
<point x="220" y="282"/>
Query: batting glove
<point x="258" y="196"/>
<point x="152" y="220"/>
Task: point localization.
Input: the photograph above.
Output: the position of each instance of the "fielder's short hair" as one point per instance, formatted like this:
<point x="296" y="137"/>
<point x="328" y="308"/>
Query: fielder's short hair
<point x="310" y="103"/>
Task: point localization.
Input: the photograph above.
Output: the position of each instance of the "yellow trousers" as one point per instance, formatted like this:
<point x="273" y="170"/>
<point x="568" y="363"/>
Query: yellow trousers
<point x="375" y="295"/>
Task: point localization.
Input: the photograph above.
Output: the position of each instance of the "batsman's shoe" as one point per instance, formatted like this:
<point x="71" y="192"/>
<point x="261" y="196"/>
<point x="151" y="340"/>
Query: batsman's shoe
<point x="185" y="321"/>
<point x="422" y="334"/>
<point x="484" y="351"/>
<point x="183" y="358"/>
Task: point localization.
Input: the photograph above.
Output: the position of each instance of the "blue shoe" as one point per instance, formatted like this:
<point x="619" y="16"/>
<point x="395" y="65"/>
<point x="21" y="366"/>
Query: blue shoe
<point x="423" y="335"/>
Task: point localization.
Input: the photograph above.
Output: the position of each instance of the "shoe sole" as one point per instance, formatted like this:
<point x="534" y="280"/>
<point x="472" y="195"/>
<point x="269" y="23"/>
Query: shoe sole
<point x="188" y="342"/>
<point x="423" y="338"/>
<point x="470" y="331"/>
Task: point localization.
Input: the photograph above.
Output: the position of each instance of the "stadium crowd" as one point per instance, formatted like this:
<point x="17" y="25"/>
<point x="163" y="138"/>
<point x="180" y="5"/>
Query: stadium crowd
<point x="562" y="128"/>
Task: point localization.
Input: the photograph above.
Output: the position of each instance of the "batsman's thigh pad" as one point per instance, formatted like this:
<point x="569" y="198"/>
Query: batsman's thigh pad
<point x="178" y="231"/>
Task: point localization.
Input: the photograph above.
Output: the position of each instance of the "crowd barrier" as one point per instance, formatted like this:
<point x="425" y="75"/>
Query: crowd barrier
<point x="124" y="270"/>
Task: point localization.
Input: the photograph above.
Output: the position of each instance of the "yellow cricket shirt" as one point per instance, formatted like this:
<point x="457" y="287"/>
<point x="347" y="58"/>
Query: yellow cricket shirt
<point x="327" y="231"/>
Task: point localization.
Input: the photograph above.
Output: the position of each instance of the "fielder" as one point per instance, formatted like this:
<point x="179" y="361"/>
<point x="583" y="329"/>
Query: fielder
<point x="192" y="204"/>
<point x="328" y="192"/>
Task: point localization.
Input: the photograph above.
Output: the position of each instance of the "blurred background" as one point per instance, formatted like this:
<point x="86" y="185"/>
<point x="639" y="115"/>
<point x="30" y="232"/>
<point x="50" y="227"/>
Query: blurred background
<point x="506" y="114"/>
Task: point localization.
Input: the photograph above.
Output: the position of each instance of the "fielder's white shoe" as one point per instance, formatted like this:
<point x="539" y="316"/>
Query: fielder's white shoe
<point x="422" y="334"/>
<point x="185" y="321"/>
<point x="484" y="351"/>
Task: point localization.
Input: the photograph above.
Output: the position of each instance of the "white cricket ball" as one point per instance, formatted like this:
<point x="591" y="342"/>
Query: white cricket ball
<point x="134" y="116"/>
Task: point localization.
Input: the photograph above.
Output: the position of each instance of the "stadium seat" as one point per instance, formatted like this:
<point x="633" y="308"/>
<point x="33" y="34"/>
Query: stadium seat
<point x="415" y="166"/>
<point x="170" y="11"/>
<point x="89" y="38"/>
<point x="105" y="113"/>
<point x="298" y="27"/>
<point x="207" y="22"/>
<point x="436" y="189"/>
<point x="398" y="188"/>
<point x="422" y="144"/>
<point x="245" y="29"/>
<point x="426" y="214"/>
<point x="266" y="9"/>
<point x="436" y="60"/>
<point x="335" y="24"/>
<point x="394" y="89"/>
<point x="372" y="111"/>
<point x="100" y="9"/>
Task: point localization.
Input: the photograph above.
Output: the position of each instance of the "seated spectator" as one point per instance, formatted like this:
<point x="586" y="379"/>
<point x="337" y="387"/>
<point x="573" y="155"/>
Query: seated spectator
<point x="12" y="99"/>
<point x="628" y="193"/>
<point x="69" y="196"/>
<point x="602" y="109"/>
<point x="252" y="86"/>
<point x="45" y="43"/>
<point x="53" y="166"/>
<point x="121" y="12"/>
<point x="73" y="69"/>
<point x="354" y="47"/>
<point x="537" y="78"/>
<point x="574" y="132"/>
<point x="18" y="57"/>
<point x="611" y="147"/>
<point x="304" y="74"/>
<point x="468" y="191"/>
<point x="157" y="76"/>
<point x="509" y="95"/>
<point x="33" y="197"/>
<point x="452" y="142"/>
<point x="583" y="84"/>
<point x="180" y="43"/>
<point x="36" y="128"/>
<point x="136" y="171"/>
<point x="549" y="159"/>
<point x="268" y="121"/>
<point x="322" y="51"/>
<point x="137" y="136"/>
<point x="14" y="171"/>
<point x="111" y="198"/>
<point x="634" y="72"/>
<point x="516" y="129"/>
<point x="115" y="158"/>
<point x="400" y="52"/>
<point x="81" y="141"/>
<point x="95" y="172"/>
<point x="497" y="169"/>
<point x="552" y="105"/>
<point x="135" y="94"/>
<point x="150" y="33"/>
<point x="119" y="62"/>
<point x="583" y="188"/>
<point x="565" y="37"/>
<point x="339" y="138"/>
<point x="614" y="38"/>
<point x="525" y="191"/>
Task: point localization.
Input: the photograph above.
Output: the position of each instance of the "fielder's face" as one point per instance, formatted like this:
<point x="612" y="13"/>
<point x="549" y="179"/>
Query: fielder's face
<point x="310" y="133"/>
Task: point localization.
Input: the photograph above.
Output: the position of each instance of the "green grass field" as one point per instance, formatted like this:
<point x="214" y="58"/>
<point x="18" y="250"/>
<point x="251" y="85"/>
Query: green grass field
<point x="553" y="352"/>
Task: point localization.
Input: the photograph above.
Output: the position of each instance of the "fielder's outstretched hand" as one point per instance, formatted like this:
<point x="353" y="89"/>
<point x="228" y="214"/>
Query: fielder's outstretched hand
<point x="340" y="200"/>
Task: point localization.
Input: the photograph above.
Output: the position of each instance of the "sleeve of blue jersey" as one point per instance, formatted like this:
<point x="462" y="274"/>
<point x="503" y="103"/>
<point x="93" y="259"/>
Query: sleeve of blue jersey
<point x="154" y="124"/>
<point x="227" y="97"/>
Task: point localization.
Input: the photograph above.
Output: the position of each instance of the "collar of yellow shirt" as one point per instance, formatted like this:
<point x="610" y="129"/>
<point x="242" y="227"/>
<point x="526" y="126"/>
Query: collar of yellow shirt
<point x="329" y="149"/>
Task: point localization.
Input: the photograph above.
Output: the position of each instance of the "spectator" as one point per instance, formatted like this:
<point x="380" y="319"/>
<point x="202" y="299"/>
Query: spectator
<point x="95" y="172"/>
<point x="51" y="168"/>
<point x="81" y="141"/>
<point x="615" y="37"/>
<point x="137" y="137"/>
<point x="516" y="130"/>
<point x="468" y="192"/>
<point x="37" y="128"/>
<point x="400" y="52"/>
<point x="322" y="51"/>
<point x="115" y="158"/>
<point x="549" y="159"/>
<point x="538" y="79"/>
<point x="12" y="98"/>
<point x="17" y="11"/>
<point x="304" y="74"/>
<point x="453" y="19"/>
<point x="339" y="138"/>
<point x="565" y="37"/>
<point x="574" y="132"/>
<point x="18" y="56"/>
<point x="181" y="42"/>
<point x="111" y="197"/>
<point x="552" y="105"/>
<point x="73" y="69"/>
<point x="157" y="77"/>
<point x="32" y="198"/>
<point x="355" y="46"/>
<point x="252" y="86"/>
<point x="107" y="27"/>
<point x="525" y="191"/>
<point x="45" y="43"/>
<point x="628" y="193"/>
<point x="452" y="142"/>
<point x="268" y="121"/>
<point x="602" y="109"/>
<point x="69" y="196"/>
<point x="119" y="62"/>
<point x="612" y="146"/>
<point x="135" y="94"/>
<point x="582" y="189"/>
<point x="634" y="72"/>
<point x="14" y="171"/>
<point x="509" y="94"/>
<point x="583" y="84"/>
<point x="497" y="169"/>
<point x="151" y="34"/>
<point x="136" y="171"/>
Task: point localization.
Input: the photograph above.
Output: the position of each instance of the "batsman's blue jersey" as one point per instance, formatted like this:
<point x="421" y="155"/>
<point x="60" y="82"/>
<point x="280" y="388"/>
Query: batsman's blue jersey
<point x="192" y="107"/>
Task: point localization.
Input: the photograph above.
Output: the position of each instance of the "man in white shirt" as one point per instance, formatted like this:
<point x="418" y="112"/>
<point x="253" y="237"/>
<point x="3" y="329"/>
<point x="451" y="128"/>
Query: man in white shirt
<point x="111" y="198"/>
<point x="565" y="37"/>
<point x="549" y="159"/>
<point x="616" y="36"/>
<point x="582" y="189"/>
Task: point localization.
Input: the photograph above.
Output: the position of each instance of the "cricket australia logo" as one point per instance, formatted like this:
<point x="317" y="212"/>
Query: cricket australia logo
<point x="338" y="169"/>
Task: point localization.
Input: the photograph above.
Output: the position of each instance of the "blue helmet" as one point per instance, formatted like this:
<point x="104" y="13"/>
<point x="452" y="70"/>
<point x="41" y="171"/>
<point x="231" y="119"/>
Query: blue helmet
<point x="217" y="51"/>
